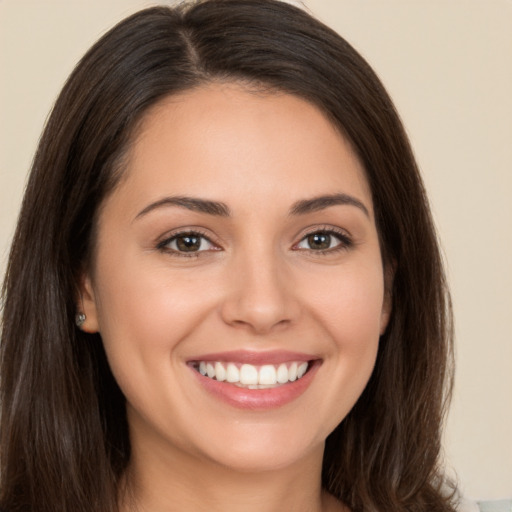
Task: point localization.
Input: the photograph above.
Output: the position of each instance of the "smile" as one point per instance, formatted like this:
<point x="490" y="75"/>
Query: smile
<point x="255" y="380"/>
<point x="251" y="376"/>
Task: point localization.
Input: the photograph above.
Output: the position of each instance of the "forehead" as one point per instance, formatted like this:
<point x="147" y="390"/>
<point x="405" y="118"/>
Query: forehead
<point x="229" y="140"/>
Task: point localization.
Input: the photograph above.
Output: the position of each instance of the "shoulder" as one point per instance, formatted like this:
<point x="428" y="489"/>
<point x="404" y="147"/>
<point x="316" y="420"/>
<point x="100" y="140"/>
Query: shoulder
<point x="495" y="506"/>
<point x="484" y="506"/>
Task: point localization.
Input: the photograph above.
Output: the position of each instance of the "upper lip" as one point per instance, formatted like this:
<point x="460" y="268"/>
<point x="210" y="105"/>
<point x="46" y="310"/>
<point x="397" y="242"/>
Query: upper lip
<point x="255" y="357"/>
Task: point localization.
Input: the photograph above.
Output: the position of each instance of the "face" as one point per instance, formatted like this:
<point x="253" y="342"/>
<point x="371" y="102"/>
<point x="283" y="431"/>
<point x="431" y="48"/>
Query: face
<point x="237" y="282"/>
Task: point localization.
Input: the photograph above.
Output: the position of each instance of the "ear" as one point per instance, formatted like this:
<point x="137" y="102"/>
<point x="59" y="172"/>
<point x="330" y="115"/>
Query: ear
<point x="387" y="304"/>
<point x="87" y="304"/>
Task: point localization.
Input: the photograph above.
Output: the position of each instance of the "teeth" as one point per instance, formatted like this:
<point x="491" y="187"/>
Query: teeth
<point x="283" y="374"/>
<point x="210" y="370"/>
<point x="253" y="377"/>
<point x="301" y="370"/>
<point x="292" y="372"/>
<point x="248" y="374"/>
<point x="232" y="373"/>
<point x="220" y="372"/>
<point x="268" y="375"/>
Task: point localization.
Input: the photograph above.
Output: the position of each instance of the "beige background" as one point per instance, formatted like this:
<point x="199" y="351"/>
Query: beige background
<point x="448" y="65"/>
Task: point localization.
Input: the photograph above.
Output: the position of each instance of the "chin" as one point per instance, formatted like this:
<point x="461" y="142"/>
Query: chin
<point x="263" y="448"/>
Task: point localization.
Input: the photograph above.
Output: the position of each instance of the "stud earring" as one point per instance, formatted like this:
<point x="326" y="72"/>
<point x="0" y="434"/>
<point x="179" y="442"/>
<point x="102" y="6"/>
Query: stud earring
<point x="80" y="319"/>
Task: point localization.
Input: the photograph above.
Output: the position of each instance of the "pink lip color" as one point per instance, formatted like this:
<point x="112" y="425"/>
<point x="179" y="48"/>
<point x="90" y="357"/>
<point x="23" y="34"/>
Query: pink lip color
<point x="256" y="358"/>
<point x="258" y="399"/>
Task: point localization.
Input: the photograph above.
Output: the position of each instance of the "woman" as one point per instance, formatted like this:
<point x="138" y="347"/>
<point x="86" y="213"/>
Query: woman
<point x="235" y="299"/>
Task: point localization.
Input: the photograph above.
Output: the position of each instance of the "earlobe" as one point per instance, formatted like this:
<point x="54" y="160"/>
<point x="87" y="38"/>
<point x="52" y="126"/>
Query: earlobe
<point x="387" y="305"/>
<point x="87" y="314"/>
<point x="385" y="315"/>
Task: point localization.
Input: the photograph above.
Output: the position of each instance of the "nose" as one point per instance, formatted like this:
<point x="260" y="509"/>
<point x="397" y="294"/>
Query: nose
<point x="260" y="295"/>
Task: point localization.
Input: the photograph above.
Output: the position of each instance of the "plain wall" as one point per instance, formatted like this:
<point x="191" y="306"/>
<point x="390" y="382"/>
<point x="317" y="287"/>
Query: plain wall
<point x="448" y="66"/>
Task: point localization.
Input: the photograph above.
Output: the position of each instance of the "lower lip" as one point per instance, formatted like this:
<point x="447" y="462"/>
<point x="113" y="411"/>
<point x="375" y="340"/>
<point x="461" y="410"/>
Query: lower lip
<point x="258" y="399"/>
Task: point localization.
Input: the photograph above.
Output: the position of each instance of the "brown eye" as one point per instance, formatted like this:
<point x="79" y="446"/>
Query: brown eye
<point x="187" y="243"/>
<point x="319" y="241"/>
<point x="324" y="241"/>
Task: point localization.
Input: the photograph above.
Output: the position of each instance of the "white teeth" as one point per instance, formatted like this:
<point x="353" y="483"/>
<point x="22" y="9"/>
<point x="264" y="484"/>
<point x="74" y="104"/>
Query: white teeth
<point x="282" y="374"/>
<point x="292" y="372"/>
<point x="220" y="372"/>
<point x="248" y="374"/>
<point x="232" y="373"/>
<point x="253" y="377"/>
<point x="210" y="370"/>
<point x="267" y="375"/>
<point x="301" y="370"/>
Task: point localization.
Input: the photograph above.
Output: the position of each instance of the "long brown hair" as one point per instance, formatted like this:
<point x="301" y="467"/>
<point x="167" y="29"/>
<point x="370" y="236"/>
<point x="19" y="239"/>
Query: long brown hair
<point x="64" y="442"/>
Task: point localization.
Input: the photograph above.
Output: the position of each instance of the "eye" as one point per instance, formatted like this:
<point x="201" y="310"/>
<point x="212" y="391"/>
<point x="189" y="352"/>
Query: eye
<point x="322" y="241"/>
<point x="187" y="243"/>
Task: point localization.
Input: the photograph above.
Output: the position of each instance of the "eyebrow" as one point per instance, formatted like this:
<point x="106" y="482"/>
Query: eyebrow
<point x="322" y="202"/>
<point x="220" y="209"/>
<point x="190" y="203"/>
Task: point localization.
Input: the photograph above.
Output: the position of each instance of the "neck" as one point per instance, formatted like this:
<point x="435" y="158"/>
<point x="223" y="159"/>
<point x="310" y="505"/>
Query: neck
<point x="172" y="482"/>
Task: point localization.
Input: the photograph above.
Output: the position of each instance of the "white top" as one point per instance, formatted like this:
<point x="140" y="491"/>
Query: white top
<point x="485" y="506"/>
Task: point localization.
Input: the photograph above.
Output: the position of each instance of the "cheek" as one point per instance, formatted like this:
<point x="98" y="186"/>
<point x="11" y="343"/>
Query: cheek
<point x="137" y="296"/>
<point x="143" y="321"/>
<point x="348" y="307"/>
<point x="144" y="311"/>
<point x="349" y="304"/>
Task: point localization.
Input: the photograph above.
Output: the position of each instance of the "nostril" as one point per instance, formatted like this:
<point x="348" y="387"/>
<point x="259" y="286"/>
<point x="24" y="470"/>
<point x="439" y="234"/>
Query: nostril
<point x="259" y="296"/>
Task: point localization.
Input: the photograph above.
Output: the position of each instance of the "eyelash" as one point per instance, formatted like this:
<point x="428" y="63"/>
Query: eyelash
<point x="345" y="242"/>
<point x="164" y="244"/>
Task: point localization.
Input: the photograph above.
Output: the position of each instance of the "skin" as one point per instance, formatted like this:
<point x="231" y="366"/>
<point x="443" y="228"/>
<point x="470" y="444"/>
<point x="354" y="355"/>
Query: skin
<point x="256" y="285"/>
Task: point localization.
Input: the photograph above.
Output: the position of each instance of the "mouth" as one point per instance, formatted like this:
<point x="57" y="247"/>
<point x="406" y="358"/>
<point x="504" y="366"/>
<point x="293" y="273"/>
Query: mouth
<point x="251" y="376"/>
<point x="254" y="380"/>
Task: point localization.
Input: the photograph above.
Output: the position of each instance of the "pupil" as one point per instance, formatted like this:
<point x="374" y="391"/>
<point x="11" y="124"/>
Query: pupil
<point x="188" y="243"/>
<point x="319" y="241"/>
